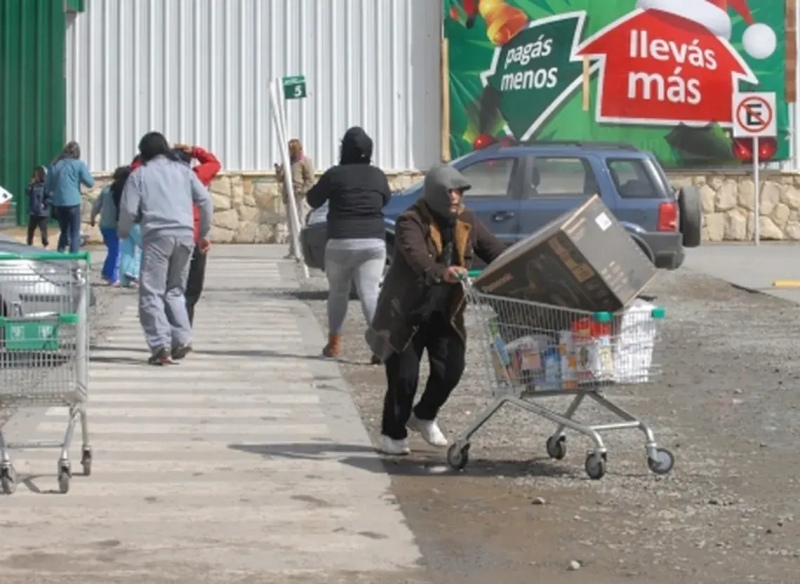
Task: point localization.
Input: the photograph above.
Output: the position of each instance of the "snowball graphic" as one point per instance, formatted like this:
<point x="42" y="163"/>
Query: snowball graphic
<point x="759" y="41"/>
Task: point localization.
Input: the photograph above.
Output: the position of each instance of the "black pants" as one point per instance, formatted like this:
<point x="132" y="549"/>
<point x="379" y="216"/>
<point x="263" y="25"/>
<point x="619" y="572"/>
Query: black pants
<point x="39" y="223"/>
<point x="194" y="283"/>
<point x="446" y="356"/>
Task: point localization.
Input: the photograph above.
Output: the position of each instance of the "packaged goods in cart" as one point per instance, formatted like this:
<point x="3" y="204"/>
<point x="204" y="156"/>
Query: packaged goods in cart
<point x="526" y="356"/>
<point x="635" y="342"/>
<point x="569" y="360"/>
<point x="552" y="369"/>
<point x="501" y="359"/>
<point x="592" y="341"/>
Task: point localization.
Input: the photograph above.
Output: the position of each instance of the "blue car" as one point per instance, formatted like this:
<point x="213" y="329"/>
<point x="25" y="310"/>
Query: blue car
<point x="517" y="189"/>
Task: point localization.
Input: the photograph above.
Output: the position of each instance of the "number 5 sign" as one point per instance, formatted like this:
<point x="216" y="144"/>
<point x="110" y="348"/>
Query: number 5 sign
<point x="754" y="115"/>
<point x="294" y="87"/>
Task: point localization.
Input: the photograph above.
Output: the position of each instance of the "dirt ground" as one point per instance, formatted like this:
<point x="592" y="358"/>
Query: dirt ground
<point x="727" y="408"/>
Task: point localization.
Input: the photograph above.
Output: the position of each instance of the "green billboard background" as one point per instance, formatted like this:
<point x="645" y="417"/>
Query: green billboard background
<point x="471" y="55"/>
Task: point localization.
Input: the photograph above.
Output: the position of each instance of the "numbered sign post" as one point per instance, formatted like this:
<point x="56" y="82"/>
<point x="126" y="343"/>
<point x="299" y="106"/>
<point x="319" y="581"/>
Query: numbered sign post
<point x="754" y="117"/>
<point x="293" y="88"/>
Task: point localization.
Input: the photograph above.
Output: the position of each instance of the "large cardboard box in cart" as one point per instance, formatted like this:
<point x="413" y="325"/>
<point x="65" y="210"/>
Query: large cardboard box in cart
<point x="582" y="260"/>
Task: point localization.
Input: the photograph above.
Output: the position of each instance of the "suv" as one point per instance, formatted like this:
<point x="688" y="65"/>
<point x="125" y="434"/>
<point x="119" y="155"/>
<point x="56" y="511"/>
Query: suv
<point x="519" y="188"/>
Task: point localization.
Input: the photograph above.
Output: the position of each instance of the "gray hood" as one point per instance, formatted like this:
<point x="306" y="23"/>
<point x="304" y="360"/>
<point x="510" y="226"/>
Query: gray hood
<point x="438" y="182"/>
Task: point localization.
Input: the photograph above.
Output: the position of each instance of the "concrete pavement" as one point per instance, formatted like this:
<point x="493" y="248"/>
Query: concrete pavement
<point x="749" y="266"/>
<point x="246" y="462"/>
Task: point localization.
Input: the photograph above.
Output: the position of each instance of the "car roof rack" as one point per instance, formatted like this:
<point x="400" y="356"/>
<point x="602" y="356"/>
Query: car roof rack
<point x="573" y="143"/>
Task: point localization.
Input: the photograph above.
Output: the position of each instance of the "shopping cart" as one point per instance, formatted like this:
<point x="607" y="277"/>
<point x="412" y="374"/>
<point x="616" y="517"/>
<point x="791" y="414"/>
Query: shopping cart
<point x="537" y="351"/>
<point x="44" y="349"/>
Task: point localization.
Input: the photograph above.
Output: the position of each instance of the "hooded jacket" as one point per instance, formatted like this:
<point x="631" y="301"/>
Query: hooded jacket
<point x="208" y="166"/>
<point x="418" y="269"/>
<point x="355" y="191"/>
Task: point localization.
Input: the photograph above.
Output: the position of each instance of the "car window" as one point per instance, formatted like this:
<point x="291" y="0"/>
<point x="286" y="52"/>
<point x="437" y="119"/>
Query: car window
<point x="561" y="176"/>
<point x="632" y="179"/>
<point x="489" y="178"/>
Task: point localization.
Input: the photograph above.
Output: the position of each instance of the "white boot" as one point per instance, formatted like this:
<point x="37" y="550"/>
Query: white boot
<point x="429" y="430"/>
<point x="395" y="447"/>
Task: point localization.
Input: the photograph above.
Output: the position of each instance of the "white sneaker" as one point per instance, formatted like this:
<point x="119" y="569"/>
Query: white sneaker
<point x="429" y="430"/>
<point x="395" y="447"/>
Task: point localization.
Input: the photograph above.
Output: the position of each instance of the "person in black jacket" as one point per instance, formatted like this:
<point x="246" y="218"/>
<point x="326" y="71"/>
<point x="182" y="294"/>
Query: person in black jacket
<point x="356" y="193"/>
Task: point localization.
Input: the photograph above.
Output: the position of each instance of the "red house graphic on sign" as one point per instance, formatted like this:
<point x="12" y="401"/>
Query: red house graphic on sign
<point x="658" y="68"/>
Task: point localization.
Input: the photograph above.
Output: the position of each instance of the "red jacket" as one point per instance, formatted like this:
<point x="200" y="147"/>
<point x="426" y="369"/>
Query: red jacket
<point x="206" y="170"/>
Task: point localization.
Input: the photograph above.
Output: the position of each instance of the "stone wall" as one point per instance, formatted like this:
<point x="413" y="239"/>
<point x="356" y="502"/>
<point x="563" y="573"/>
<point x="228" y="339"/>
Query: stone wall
<point x="248" y="207"/>
<point x="729" y="205"/>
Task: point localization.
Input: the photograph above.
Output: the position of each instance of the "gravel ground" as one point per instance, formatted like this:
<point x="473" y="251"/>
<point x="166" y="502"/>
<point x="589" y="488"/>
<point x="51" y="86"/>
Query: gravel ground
<point x="725" y="407"/>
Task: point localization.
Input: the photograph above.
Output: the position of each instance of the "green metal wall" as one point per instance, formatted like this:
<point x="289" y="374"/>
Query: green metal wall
<point x="32" y="90"/>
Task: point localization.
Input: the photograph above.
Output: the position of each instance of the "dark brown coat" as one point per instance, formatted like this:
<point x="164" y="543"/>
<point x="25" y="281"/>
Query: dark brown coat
<point x="418" y="242"/>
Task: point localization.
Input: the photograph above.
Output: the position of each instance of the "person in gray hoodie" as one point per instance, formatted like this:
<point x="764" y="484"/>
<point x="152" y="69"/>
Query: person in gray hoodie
<point x="159" y="196"/>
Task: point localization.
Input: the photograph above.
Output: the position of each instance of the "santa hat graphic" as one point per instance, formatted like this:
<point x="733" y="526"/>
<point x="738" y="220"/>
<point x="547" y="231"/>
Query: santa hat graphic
<point x="759" y="40"/>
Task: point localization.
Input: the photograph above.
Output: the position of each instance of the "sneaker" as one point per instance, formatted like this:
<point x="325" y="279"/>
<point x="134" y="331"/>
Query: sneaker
<point x="395" y="447"/>
<point x="161" y="357"/>
<point x="375" y="360"/>
<point x="429" y="430"/>
<point x="179" y="353"/>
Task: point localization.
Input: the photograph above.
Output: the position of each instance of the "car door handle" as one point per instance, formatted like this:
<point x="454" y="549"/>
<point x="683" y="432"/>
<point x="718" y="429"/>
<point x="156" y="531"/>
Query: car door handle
<point x="501" y="216"/>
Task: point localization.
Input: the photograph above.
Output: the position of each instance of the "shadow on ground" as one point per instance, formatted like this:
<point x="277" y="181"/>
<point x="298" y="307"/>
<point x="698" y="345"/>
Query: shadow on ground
<point x="422" y="463"/>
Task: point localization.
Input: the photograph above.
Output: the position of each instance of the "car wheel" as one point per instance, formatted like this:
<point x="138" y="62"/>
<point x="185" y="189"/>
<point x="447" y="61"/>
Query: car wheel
<point x="691" y="212"/>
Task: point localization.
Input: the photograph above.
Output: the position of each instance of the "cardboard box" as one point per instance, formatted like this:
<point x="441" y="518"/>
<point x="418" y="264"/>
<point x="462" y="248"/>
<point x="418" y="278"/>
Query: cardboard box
<point x="584" y="260"/>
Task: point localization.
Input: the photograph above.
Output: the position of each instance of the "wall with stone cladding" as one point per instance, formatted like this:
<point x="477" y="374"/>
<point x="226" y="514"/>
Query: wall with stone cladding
<point x="248" y="207"/>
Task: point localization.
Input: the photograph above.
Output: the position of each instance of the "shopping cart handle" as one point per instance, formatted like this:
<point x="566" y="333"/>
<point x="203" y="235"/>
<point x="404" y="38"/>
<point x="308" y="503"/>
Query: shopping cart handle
<point x="474" y="274"/>
<point x="47" y="256"/>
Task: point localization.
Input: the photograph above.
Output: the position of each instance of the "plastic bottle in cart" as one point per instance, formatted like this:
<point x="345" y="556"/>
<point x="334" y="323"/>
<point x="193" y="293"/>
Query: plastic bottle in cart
<point x="605" y="349"/>
<point x="552" y="368"/>
<point x="569" y="361"/>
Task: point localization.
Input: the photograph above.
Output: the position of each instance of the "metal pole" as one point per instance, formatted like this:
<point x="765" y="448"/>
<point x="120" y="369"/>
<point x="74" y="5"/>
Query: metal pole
<point x="293" y="202"/>
<point x="83" y="289"/>
<point x="279" y="121"/>
<point x="757" y="184"/>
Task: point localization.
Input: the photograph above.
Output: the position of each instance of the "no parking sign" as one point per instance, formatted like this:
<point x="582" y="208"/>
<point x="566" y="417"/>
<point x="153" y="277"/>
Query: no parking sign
<point x="754" y="115"/>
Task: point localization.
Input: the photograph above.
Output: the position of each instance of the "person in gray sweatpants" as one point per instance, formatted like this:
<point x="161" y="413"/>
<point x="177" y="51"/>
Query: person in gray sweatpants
<point x="159" y="195"/>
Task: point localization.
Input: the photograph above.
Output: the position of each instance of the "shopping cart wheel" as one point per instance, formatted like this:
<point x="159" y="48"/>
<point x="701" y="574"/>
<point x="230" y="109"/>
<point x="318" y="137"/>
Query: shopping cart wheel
<point x="86" y="462"/>
<point x="9" y="480"/>
<point x="458" y="456"/>
<point x="662" y="463"/>
<point x="557" y="447"/>
<point x="596" y="465"/>
<point x="64" y="475"/>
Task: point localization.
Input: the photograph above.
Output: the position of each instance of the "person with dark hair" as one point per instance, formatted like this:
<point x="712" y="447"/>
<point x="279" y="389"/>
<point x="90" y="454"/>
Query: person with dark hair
<point x="108" y="209"/>
<point x="421" y="306"/>
<point x="356" y="193"/>
<point x="38" y="205"/>
<point x="206" y="169"/>
<point x="64" y="180"/>
<point x="160" y="195"/>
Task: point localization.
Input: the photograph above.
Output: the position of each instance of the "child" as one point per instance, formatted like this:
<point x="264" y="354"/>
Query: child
<point x="104" y="205"/>
<point x="38" y="205"/>
<point x="131" y="257"/>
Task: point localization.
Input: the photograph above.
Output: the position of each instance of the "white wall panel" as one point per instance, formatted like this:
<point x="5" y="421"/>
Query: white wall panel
<point x="198" y="71"/>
